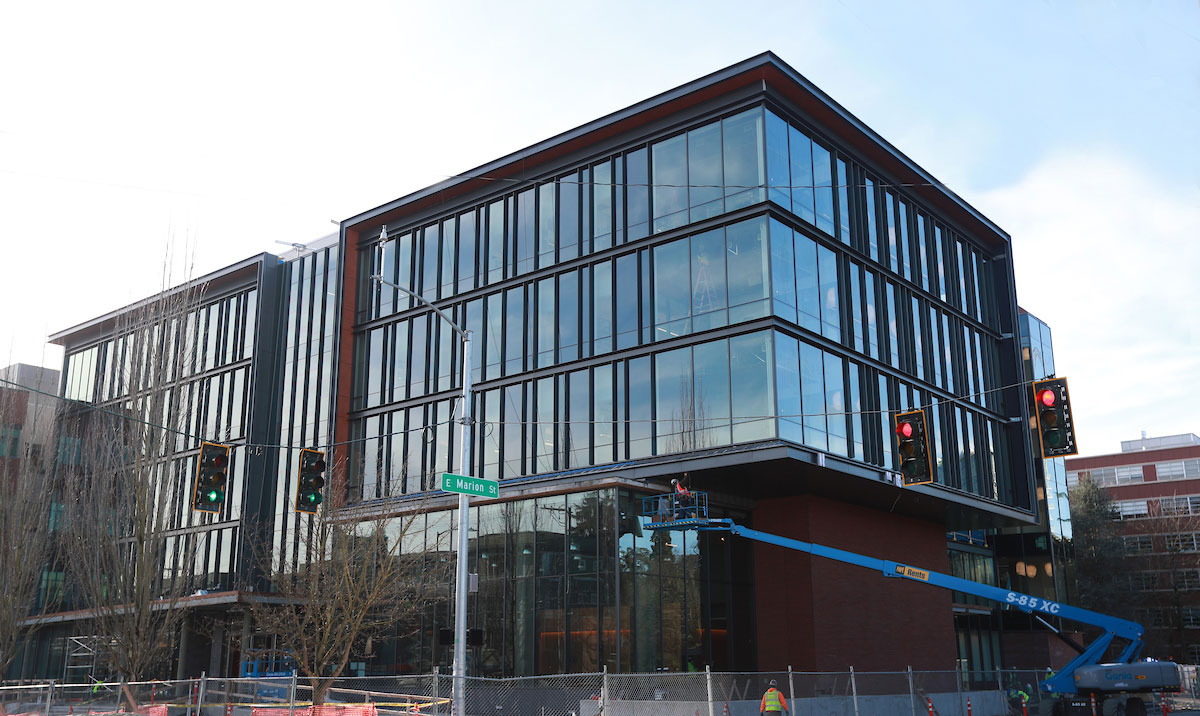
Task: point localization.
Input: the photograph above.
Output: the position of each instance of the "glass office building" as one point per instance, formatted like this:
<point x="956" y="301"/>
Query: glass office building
<point x="260" y="349"/>
<point x="735" y="283"/>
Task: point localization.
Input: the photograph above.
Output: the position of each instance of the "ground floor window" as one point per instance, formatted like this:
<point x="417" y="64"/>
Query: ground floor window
<point x="571" y="583"/>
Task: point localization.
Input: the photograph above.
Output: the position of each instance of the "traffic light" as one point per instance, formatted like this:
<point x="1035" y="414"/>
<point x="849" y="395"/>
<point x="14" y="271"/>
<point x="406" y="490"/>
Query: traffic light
<point x="209" y="492"/>
<point x="912" y="442"/>
<point x="1056" y="429"/>
<point x="311" y="480"/>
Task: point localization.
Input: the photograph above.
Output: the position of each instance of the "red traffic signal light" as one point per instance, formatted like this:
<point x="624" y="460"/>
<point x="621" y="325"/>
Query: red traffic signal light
<point x="208" y="492"/>
<point x="912" y="442"/>
<point x="1056" y="429"/>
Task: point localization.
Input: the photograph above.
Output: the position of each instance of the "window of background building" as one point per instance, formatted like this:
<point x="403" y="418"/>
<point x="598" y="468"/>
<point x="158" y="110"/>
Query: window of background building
<point x="1132" y="509"/>
<point x="1178" y="469"/>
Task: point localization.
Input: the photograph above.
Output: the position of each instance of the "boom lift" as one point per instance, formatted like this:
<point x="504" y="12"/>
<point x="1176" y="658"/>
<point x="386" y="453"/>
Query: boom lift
<point x="1080" y="679"/>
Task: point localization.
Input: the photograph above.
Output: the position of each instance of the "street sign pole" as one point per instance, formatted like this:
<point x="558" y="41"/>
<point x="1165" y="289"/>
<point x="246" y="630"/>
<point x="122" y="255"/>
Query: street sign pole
<point x="460" y="608"/>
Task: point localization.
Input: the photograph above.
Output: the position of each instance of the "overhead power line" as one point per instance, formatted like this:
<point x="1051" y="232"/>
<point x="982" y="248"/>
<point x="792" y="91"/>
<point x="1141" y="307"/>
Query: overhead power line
<point x="965" y="400"/>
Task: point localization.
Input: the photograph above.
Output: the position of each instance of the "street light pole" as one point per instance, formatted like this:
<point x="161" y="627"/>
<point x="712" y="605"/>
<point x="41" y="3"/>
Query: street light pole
<point x="461" y="582"/>
<point x="464" y="456"/>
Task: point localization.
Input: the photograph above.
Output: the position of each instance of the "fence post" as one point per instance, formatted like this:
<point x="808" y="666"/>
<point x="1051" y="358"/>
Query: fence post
<point x="49" y="696"/>
<point x="708" y="682"/>
<point x="200" y="697"/>
<point x="292" y="694"/>
<point x="912" y="692"/>
<point x="436" y="681"/>
<point x="604" y="693"/>
<point x="791" y="688"/>
<point x="958" y="686"/>
<point x="854" y="690"/>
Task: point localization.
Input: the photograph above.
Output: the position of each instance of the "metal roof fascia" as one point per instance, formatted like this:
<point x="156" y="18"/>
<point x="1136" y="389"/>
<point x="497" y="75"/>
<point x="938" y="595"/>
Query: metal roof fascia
<point x="765" y="59"/>
<point x="721" y="75"/>
<point x="874" y="136"/>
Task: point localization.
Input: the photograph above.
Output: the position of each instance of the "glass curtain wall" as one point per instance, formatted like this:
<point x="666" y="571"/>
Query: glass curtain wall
<point x="888" y="307"/>
<point x="571" y="583"/>
<point x="209" y="381"/>
<point x="310" y="297"/>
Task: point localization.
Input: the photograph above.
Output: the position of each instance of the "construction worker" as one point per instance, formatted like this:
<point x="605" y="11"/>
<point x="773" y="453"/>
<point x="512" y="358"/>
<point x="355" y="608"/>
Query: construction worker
<point x="773" y="702"/>
<point x="1050" y="675"/>
<point x="1016" y="695"/>
<point x="683" y="498"/>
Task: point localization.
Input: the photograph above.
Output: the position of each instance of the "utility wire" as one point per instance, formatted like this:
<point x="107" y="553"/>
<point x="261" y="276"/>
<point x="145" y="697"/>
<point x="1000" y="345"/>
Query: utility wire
<point x="962" y="399"/>
<point x="428" y="427"/>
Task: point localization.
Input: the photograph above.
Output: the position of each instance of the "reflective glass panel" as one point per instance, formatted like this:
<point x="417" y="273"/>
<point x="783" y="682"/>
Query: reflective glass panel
<point x="747" y="257"/>
<point x="669" y="164"/>
<point x="672" y="299"/>
<point x="751" y="384"/>
<point x="704" y="171"/>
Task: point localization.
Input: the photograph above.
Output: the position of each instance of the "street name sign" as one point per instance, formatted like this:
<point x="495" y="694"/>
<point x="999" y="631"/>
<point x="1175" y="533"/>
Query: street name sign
<point x="466" y="485"/>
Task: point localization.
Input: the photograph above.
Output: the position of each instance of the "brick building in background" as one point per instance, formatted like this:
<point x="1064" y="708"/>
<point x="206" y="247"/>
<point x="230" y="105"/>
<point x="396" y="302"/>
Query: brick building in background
<point x="27" y="413"/>
<point x="1155" y="487"/>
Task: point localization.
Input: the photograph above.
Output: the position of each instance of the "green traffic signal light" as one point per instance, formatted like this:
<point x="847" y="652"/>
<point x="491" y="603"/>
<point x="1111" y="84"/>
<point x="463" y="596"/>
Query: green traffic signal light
<point x="209" y="488"/>
<point x="309" y="480"/>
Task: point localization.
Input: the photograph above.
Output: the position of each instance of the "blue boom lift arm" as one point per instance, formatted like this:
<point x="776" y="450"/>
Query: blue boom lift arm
<point x="690" y="511"/>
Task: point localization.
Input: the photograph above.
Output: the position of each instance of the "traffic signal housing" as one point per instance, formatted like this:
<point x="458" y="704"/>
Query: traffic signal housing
<point x="212" y="469"/>
<point x="912" y="442"/>
<point x="310" y="481"/>
<point x="1056" y="429"/>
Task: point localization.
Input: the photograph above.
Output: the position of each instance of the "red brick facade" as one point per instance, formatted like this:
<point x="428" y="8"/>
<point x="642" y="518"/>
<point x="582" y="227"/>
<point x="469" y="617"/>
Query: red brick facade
<point x="1161" y="541"/>
<point x="854" y="616"/>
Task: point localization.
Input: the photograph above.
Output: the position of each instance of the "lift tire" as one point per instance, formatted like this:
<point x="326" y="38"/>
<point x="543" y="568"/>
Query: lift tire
<point x="1135" y="707"/>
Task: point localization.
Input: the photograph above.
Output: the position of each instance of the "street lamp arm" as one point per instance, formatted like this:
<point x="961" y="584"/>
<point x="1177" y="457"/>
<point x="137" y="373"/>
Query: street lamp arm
<point x="461" y="332"/>
<point x="461" y="578"/>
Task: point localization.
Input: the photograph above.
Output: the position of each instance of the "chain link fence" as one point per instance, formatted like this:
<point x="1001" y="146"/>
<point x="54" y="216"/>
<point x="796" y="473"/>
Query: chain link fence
<point x="849" y="693"/>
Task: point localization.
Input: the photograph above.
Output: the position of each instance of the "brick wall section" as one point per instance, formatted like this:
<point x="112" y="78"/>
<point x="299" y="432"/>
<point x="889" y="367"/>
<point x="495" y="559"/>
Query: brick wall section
<point x="1133" y="458"/>
<point x="1034" y="650"/>
<point x="820" y="615"/>
<point x="1149" y="490"/>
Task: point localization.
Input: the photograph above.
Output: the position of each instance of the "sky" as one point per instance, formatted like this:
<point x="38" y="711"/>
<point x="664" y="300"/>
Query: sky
<point x="145" y="142"/>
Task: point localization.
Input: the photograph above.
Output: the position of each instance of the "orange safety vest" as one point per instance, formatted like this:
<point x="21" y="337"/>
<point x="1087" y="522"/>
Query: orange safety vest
<point x="773" y="701"/>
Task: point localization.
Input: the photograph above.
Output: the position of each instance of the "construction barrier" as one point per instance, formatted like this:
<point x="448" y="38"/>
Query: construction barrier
<point x="324" y="710"/>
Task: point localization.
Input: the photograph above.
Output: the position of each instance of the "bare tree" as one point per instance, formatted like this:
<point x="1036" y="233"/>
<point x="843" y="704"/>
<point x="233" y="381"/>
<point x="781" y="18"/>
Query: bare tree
<point x="127" y="464"/>
<point x="29" y="581"/>
<point x="690" y="429"/>
<point x="356" y="584"/>
<point x="1102" y="573"/>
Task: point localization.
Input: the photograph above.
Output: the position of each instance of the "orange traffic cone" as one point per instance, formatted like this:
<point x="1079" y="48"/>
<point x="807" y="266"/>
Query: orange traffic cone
<point x="726" y="709"/>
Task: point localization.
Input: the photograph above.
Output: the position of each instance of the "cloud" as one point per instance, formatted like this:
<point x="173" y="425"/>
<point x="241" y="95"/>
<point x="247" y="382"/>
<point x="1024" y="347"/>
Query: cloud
<point x="1108" y="254"/>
